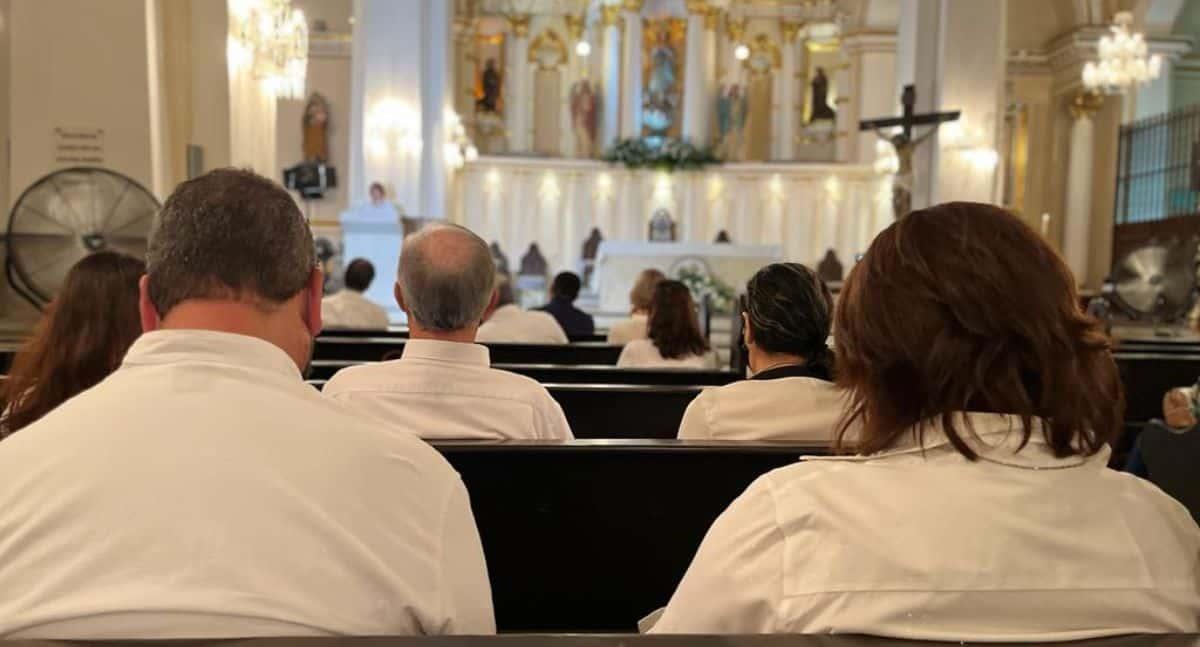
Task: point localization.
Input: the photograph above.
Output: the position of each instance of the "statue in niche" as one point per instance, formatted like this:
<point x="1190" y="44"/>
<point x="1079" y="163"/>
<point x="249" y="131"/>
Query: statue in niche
<point x="315" y="124"/>
<point x="490" y="83"/>
<point x="662" y="227"/>
<point x="732" y="110"/>
<point x="821" y="110"/>
<point x="583" y="118"/>
<point x="658" y="106"/>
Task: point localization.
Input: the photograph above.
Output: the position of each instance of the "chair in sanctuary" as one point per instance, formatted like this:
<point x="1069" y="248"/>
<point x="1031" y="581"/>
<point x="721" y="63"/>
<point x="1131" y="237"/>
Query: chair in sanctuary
<point x="500" y="259"/>
<point x="587" y="262"/>
<point x="532" y="278"/>
<point x="830" y="268"/>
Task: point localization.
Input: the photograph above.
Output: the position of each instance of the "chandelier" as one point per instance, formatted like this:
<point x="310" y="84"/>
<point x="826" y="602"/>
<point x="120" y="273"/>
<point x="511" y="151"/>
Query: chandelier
<point x="269" y="38"/>
<point x="1123" y="60"/>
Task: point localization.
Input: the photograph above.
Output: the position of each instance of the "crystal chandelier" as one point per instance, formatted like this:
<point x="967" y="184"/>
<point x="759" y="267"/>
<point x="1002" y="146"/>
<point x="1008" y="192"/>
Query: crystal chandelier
<point x="270" y="39"/>
<point x="1123" y="60"/>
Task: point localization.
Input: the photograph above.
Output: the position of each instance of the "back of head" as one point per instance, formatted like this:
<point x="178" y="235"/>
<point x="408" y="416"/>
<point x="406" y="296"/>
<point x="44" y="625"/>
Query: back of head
<point x="673" y="326"/>
<point x="446" y="277"/>
<point x="641" y="297"/>
<point x="359" y="274"/>
<point x="82" y="338"/>
<point x="790" y="311"/>
<point x="566" y="285"/>
<point x="229" y="235"/>
<point x="963" y="307"/>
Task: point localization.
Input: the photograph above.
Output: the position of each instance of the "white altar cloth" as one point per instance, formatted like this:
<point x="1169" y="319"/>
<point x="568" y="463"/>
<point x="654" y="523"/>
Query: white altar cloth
<point x="619" y="262"/>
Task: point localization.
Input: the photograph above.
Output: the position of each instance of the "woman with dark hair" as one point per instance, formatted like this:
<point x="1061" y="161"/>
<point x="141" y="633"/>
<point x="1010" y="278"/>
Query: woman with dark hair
<point x="673" y="338"/>
<point x="977" y="504"/>
<point x="80" y="340"/>
<point x="786" y="315"/>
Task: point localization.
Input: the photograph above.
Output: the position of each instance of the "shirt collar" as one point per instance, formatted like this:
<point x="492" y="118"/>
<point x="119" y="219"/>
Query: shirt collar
<point x="506" y="309"/>
<point x="161" y="347"/>
<point x="790" y="370"/>
<point x="446" y="351"/>
<point x="994" y="437"/>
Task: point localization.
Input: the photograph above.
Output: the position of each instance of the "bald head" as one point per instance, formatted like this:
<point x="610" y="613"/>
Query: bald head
<point x="446" y="278"/>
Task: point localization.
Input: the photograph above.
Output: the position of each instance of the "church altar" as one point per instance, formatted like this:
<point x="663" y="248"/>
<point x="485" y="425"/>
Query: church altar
<point x="803" y="208"/>
<point x="377" y="240"/>
<point x="618" y="264"/>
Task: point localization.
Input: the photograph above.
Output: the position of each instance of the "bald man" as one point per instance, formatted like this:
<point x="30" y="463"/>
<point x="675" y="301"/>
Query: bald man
<point x="443" y="386"/>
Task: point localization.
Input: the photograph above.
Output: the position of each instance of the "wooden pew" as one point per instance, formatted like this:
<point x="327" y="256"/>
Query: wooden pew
<point x="592" y="536"/>
<point x="323" y="369"/>
<point x="373" y="349"/>
<point x="402" y="333"/>
<point x="615" y="411"/>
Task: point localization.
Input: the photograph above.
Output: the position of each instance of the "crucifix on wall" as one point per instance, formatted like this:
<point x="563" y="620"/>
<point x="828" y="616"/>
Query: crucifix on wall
<point x="904" y="144"/>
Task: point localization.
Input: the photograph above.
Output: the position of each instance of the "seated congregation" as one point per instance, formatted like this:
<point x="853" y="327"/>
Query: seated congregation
<point x="940" y="474"/>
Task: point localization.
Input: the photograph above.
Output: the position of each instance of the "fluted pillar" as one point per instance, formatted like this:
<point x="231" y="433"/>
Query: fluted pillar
<point x="631" y="62"/>
<point x="517" y="101"/>
<point x="695" y="93"/>
<point x="610" y="94"/>
<point x="785" y="141"/>
<point x="1077" y="230"/>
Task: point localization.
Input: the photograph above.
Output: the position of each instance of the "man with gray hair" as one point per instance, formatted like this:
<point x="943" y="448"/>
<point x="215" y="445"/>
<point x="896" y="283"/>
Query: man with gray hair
<point x="443" y="386"/>
<point x="203" y="490"/>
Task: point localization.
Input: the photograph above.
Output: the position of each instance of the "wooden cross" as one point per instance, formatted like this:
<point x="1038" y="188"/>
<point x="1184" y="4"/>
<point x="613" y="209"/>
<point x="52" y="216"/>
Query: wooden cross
<point x="906" y="121"/>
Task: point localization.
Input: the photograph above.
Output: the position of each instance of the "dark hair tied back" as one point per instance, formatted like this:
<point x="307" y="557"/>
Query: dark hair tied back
<point x="790" y="310"/>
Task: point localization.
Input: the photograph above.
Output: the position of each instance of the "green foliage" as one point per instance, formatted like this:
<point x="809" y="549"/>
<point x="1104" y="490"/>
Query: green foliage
<point x="674" y="155"/>
<point x="720" y="294"/>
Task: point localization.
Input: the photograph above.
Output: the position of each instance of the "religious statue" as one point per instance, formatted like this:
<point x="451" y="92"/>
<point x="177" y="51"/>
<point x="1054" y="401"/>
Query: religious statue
<point x="731" y="121"/>
<point x="315" y="125"/>
<point x="658" y="106"/>
<point x="490" y="84"/>
<point x="904" y="145"/>
<point x="820" y="98"/>
<point x="583" y="118"/>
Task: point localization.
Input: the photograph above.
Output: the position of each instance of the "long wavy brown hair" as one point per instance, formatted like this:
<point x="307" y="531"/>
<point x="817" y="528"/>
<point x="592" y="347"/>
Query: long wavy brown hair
<point x="80" y="340"/>
<point x="963" y="307"/>
<point x="673" y="325"/>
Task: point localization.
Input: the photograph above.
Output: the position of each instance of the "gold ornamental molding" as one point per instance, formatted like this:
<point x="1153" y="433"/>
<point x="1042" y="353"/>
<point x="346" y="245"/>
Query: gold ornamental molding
<point x="1086" y="104"/>
<point x="519" y="24"/>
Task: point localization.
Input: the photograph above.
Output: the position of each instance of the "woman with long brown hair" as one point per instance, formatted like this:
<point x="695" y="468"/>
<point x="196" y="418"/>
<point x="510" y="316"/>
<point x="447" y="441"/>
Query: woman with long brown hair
<point x="673" y="337"/>
<point x="80" y="340"/>
<point x="641" y="299"/>
<point x="976" y="502"/>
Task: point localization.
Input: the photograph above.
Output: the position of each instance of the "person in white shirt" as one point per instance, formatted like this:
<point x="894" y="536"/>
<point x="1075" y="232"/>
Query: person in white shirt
<point x="443" y="386"/>
<point x="979" y="505"/>
<point x="641" y="297"/>
<point x="203" y="490"/>
<point x="673" y="334"/>
<point x="508" y="323"/>
<point x="348" y="309"/>
<point x="786" y="316"/>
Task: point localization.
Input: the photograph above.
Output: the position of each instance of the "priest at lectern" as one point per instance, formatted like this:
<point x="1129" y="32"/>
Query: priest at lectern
<point x="372" y="230"/>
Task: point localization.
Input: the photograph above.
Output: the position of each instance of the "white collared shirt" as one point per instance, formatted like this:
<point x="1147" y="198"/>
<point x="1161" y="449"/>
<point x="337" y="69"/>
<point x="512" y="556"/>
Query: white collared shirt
<point x="642" y="353"/>
<point x="510" y="324"/>
<point x="781" y="409"/>
<point x="448" y="390"/>
<point x="351" y="310"/>
<point x="203" y="490"/>
<point x="626" y="330"/>
<point x="1018" y="546"/>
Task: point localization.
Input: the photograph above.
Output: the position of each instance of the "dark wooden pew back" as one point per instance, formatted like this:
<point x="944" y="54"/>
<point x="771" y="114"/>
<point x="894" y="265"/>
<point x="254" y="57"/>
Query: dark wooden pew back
<point x="323" y="369"/>
<point x="591" y="536"/>
<point x="373" y="349"/>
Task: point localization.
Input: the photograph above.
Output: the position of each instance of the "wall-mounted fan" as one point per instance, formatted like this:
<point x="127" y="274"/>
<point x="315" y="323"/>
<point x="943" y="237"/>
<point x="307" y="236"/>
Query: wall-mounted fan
<point x="1156" y="281"/>
<point x="67" y="215"/>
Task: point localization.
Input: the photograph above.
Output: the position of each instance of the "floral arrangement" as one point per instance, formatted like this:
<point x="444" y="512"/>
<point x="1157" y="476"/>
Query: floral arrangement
<point x="720" y="294"/>
<point x="672" y="155"/>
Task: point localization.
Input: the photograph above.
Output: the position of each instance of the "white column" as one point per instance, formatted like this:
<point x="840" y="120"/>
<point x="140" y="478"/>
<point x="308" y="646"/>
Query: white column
<point x="1077" y="229"/>
<point x="695" y="84"/>
<point x="631" y="64"/>
<point x="873" y="58"/>
<point x="517" y="102"/>
<point x="785" y="139"/>
<point x="398" y="100"/>
<point x="610" y="94"/>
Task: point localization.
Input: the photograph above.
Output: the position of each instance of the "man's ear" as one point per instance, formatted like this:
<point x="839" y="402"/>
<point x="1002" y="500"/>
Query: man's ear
<point x="312" y="294"/>
<point x="491" y="306"/>
<point x="146" y="309"/>
<point x="399" y="294"/>
<point x="747" y="334"/>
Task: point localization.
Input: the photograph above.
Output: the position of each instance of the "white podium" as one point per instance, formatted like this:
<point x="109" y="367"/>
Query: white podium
<point x="378" y="241"/>
<point x="618" y="264"/>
